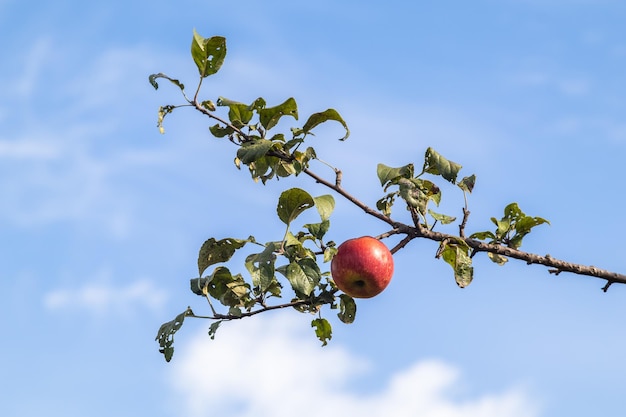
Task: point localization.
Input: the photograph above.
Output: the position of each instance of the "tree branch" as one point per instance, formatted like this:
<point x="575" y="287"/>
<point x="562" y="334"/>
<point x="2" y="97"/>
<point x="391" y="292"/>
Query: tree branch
<point x="418" y="230"/>
<point x="530" y="258"/>
<point x="340" y="190"/>
<point x="198" y="106"/>
<point x="218" y="316"/>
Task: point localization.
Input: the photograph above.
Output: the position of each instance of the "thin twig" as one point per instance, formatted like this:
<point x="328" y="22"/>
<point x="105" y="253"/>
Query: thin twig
<point x="340" y="190"/>
<point x="402" y="244"/>
<point x="466" y="214"/>
<point x="218" y="316"/>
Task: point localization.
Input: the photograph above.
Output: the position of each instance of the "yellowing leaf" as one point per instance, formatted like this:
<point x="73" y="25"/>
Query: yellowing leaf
<point x="323" y="330"/>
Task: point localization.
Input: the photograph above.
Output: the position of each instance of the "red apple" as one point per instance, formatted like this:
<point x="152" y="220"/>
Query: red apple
<point x="362" y="267"/>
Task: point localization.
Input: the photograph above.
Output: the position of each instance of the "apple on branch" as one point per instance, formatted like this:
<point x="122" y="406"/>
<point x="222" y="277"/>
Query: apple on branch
<point x="362" y="267"/>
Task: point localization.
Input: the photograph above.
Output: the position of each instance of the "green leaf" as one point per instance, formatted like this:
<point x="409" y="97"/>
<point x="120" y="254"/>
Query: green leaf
<point x="517" y="223"/>
<point x="325" y="205"/>
<point x="253" y="150"/>
<point x="302" y="276"/>
<point x="261" y="268"/>
<point x="310" y="268"/>
<point x="220" y="131"/>
<point x="413" y="195"/>
<point x="456" y="255"/>
<point x="208" y="54"/>
<point x="436" y="164"/>
<point x="347" y="309"/>
<point x="442" y="218"/>
<point x="198" y="286"/>
<point x="526" y="223"/>
<point x="270" y="116"/>
<point x="417" y="192"/>
<point x="215" y="251"/>
<point x="292" y="241"/>
<point x="234" y="311"/>
<point x="329" y="253"/>
<point x="318" y="118"/>
<point x="467" y="183"/>
<point x="213" y="328"/>
<point x="503" y="227"/>
<point x="387" y="174"/>
<point x="263" y="277"/>
<point x="385" y="203"/>
<point x="523" y="226"/>
<point x="498" y="259"/>
<point x="230" y="290"/>
<point x="259" y="169"/>
<point x="153" y="77"/>
<point x="284" y="168"/>
<point x="291" y="203"/>
<point x="209" y="105"/>
<point x="238" y="112"/>
<point x="483" y="235"/>
<point x="268" y="254"/>
<point x="318" y="230"/>
<point x="430" y="189"/>
<point x="323" y="330"/>
<point x="165" y="335"/>
<point x="513" y="212"/>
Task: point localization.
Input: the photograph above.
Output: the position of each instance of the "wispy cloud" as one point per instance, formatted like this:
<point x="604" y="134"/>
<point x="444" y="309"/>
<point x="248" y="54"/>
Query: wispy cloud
<point x="71" y="164"/>
<point x="27" y="149"/>
<point x="106" y="298"/>
<point x="267" y="367"/>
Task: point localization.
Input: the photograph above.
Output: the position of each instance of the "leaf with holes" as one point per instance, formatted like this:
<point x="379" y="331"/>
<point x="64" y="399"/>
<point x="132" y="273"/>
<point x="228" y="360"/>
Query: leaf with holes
<point x="323" y="330"/>
<point x="216" y="251"/>
<point x="291" y="203"/>
<point x="347" y="309"/>
<point x="456" y="255"/>
<point x="208" y="53"/>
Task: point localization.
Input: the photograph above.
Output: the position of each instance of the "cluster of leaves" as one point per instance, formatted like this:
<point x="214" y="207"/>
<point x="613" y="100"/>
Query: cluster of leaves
<point x="510" y="230"/>
<point x="267" y="156"/>
<point x="293" y="260"/>
<point x="418" y="192"/>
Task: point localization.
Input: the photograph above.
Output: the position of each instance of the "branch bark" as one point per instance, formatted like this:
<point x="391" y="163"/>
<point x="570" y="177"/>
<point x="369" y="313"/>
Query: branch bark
<point x="419" y="231"/>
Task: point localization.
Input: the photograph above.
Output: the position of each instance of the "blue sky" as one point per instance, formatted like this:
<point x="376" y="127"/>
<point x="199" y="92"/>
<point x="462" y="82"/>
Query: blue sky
<point x="101" y="216"/>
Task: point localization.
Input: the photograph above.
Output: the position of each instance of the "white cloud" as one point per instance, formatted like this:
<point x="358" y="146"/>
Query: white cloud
<point x="268" y="367"/>
<point x="25" y="149"/>
<point x="68" y="164"/>
<point x="102" y="298"/>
